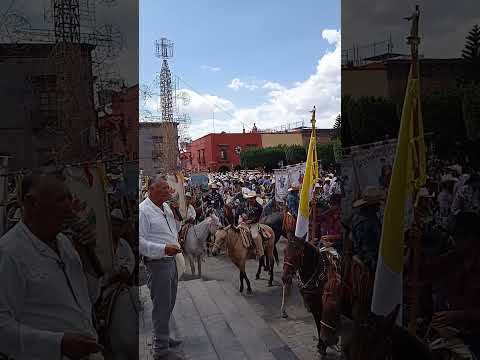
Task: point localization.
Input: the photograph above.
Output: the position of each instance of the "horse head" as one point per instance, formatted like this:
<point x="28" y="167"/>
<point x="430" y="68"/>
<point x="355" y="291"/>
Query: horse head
<point x="372" y="337"/>
<point x="214" y="223"/>
<point x="220" y="237"/>
<point x="293" y="258"/>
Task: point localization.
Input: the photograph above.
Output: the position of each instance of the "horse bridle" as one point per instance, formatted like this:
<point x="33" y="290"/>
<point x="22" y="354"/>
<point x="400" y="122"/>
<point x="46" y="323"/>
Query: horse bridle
<point x="316" y="277"/>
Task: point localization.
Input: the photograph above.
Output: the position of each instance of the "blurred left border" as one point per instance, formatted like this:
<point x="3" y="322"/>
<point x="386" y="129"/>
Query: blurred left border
<point x="69" y="179"/>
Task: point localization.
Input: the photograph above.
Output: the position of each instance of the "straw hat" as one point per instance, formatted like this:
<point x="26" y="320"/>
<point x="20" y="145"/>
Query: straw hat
<point x="448" y="178"/>
<point x="371" y="195"/>
<point x="457" y="168"/>
<point x="293" y="188"/>
<point x="249" y="194"/>
<point x="424" y="193"/>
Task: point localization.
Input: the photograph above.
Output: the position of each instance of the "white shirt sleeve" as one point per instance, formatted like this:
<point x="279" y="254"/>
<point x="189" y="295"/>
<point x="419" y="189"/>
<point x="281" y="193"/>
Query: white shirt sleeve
<point x="20" y="340"/>
<point x="145" y="247"/>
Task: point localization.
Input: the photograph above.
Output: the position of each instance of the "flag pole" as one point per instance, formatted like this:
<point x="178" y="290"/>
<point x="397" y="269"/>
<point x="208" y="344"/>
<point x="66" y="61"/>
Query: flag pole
<point x="313" y="207"/>
<point x="417" y="226"/>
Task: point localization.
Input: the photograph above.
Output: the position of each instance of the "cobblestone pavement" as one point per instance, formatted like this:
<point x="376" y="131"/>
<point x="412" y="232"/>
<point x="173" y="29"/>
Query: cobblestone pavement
<point x="298" y="331"/>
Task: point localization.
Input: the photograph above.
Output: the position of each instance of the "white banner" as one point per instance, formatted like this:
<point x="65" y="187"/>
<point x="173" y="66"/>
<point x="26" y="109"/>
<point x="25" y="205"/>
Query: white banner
<point x="368" y="165"/>
<point x="295" y="174"/>
<point x="89" y="194"/>
<point x="281" y="184"/>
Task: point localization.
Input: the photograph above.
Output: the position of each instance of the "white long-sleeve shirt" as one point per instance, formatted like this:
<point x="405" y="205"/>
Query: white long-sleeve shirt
<point x="42" y="295"/>
<point x="157" y="227"/>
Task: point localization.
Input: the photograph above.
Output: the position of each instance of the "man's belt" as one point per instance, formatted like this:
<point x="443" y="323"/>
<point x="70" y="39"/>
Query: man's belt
<point x="165" y="258"/>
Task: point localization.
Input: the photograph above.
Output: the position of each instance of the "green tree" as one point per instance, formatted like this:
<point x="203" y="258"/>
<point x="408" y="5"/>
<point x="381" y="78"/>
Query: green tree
<point x="471" y="55"/>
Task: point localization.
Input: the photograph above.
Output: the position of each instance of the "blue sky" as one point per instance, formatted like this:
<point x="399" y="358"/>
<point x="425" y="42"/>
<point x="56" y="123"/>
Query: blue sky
<point x="278" y="43"/>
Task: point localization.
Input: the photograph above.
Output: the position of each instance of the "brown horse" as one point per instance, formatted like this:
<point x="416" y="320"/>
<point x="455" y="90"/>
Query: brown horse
<point x="379" y="338"/>
<point x="239" y="253"/>
<point x="317" y="272"/>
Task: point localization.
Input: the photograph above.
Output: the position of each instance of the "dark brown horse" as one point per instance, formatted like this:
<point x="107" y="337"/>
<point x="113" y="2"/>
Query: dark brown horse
<point x="379" y="338"/>
<point x="317" y="274"/>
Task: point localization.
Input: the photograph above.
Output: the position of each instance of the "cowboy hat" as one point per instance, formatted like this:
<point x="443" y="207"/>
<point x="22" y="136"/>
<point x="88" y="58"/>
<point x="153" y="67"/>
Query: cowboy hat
<point x="249" y="194"/>
<point x="188" y="195"/>
<point x="260" y="201"/>
<point x="457" y="168"/>
<point x="424" y="193"/>
<point x="448" y="178"/>
<point x="371" y="195"/>
<point x="213" y="186"/>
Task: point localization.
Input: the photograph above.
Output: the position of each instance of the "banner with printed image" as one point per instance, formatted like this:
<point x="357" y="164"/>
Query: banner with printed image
<point x="281" y="184"/>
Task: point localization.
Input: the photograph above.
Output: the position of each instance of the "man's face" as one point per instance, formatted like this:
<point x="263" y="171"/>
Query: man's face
<point x="51" y="204"/>
<point x="161" y="192"/>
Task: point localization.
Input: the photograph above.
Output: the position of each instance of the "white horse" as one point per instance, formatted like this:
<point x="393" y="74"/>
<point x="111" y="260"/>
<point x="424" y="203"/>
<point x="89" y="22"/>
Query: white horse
<point x="123" y="332"/>
<point x="122" y="328"/>
<point x="196" y="240"/>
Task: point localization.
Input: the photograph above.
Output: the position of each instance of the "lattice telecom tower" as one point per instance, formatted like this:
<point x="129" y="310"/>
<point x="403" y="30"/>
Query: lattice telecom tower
<point x="164" y="51"/>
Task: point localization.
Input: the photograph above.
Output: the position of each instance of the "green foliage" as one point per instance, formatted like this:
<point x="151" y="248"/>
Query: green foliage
<point x="368" y="119"/>
<point x="268" y="158"/>
<point x="471" y="55"/>
<point x="326" y="155"/>
<point x="295" y="154"/>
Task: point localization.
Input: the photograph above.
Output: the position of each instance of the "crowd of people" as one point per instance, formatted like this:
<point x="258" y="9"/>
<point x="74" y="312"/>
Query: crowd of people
<point x="238" y="199"/>
<point x="449" y="209"/>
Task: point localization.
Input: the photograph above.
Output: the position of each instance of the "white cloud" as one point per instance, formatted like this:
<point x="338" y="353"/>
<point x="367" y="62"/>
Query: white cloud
<point x="284" y="105"/>
<point x="237" y="84"/>
<point x="211" y="68"/>
<point x="332" y="36"/>
<point x="272" y="86"/>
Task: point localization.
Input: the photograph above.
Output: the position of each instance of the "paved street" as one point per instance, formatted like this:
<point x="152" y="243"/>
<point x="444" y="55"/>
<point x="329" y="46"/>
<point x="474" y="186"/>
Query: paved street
<point x="205" y="310"/>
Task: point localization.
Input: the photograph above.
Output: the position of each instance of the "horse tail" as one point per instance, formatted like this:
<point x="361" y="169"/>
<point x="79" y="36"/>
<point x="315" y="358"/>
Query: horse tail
<point x="275" y="255"/>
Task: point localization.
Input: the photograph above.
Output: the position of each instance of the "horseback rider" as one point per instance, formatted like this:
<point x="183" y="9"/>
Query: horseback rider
<point x="189" y="219"/>
<point x="213" y="199"/>
<point x="366" y="227"/>
<point x="293" y="200"/>
<point x="251" y="218"/>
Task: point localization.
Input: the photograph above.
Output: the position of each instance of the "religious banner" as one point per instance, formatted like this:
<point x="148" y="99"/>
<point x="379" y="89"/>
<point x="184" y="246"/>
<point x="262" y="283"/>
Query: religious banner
<point x="295" y="174"/>
<point x="177" y="183"/>
<point x="281" y="184"/>
<point x="87" y="186"/>
<point x="368" y="165"/>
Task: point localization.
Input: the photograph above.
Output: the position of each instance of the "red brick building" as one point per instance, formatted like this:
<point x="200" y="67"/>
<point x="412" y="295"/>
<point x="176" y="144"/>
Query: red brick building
<point x="219" y="152"/>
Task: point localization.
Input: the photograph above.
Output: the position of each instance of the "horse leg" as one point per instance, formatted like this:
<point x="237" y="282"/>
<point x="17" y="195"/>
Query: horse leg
<point x="275" y="254"/>
<point x="317" y="315"/>
<point x="241" y="281"/>
<point x="285" y="294"/>
<point x="192" y="264"/>
<point x="249" y="289"/>
<point x="270" y="281"/>
<point x="199" y="262"/>
<point x="260" y="261"/>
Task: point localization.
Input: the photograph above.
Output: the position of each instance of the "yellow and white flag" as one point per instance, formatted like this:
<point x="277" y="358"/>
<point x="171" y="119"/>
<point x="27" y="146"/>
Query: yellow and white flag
<point x="309" y="179"/>
<point x="409" y="174"/>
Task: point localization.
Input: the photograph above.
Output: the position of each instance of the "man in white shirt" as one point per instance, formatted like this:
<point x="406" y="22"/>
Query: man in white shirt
<point x="158" y="243"/>
<point x="45" y="305"/>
